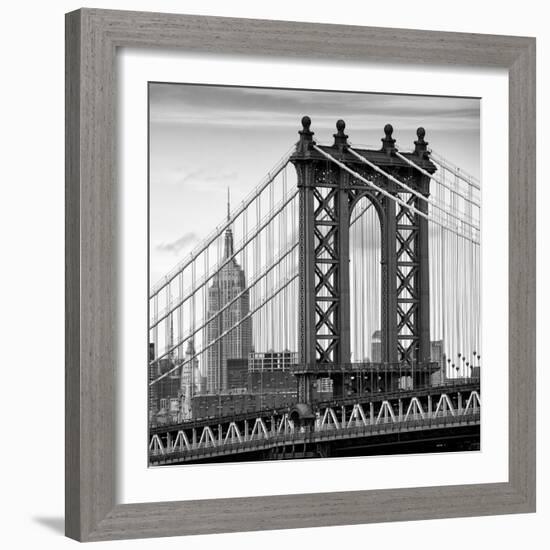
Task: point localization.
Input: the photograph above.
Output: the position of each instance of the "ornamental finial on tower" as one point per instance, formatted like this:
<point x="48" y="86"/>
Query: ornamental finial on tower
<point x="388" y="143"/>
<point x="421" y="146"/>
<point x="306" y="135"/>
<point x="340" y="138"/>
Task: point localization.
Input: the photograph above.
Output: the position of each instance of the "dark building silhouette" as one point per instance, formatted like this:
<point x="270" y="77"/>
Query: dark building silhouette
<point x="237" y="373"/>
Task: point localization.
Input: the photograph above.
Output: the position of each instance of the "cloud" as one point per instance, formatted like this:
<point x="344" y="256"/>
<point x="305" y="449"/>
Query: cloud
<point x="178" y="244"/>
<point x="208" y="175"/>
<point x="222" y="106"/>
<point x="198" y="178"/>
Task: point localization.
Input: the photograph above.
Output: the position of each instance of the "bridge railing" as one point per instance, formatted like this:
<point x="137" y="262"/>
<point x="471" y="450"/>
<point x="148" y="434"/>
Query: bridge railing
<point x="311" y="435"/>
<point x="366" y="366"/>
<point x="452" y="384"/>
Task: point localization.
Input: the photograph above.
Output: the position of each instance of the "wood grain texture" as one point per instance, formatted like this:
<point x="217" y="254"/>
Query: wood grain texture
<point x="522" y="274"/>
<point x="72" y="274"/>
<point x="92" y="37"/>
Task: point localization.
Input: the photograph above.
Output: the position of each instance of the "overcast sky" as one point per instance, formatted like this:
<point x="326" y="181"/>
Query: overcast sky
<point x="204" y="139"/>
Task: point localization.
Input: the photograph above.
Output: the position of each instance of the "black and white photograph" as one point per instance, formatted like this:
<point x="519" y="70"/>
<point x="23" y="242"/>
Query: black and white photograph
<point x="270" y="269"/>
<point x="314" y="274"/>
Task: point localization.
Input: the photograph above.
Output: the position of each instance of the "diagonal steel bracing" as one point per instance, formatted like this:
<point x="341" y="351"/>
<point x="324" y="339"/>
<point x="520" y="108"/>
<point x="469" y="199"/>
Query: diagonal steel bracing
<point x="331" y="179"/>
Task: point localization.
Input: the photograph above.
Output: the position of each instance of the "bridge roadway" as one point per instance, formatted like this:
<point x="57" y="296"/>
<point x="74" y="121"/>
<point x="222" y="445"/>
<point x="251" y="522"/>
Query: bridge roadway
<point x="453" y="386"/>
<point x="449" y="407"/>
<point x="308" y="437"/>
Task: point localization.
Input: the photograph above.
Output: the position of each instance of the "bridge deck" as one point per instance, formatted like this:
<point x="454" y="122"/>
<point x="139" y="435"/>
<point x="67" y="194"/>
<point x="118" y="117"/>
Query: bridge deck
<point x="459" y="386"/>
<point x="307" y="437"/>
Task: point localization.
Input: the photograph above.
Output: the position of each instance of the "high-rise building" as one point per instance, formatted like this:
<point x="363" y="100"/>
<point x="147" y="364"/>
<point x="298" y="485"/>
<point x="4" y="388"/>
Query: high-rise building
<point x="228" y="287"/>
<point x="153" y="394"/>
<point x="376" y="346"/>
<point x="165" y="399"/>
<point x="272" y="361"/>
<point x="437" y="353"/>
<point x="272" y="371"/>
<point x="190" y="373"/>
<point x="237" y="372"/>
<point x="190" y="379"/>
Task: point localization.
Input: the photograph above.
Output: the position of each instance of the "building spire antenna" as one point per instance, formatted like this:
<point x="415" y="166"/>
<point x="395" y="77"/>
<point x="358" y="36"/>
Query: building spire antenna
<point x="228" y="204"/>
<point x="228" y="248"/>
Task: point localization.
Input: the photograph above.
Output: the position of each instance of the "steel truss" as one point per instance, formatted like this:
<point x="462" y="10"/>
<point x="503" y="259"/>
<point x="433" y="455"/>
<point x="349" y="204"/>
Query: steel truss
<point x="361" y="418"/>
<point x="328" y="191"/>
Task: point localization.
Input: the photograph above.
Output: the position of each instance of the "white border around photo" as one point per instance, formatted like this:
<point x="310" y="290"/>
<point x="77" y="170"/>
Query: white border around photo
<point x="137" y="482"/>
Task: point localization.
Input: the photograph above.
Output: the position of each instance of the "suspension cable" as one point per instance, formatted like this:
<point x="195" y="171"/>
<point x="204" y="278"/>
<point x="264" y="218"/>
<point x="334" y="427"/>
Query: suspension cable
<point x="389" y="195"/>
<point x="260" y="277"/>
<point x="208" y="277"/>
<point x="167" y="279"/>
<point x="443" y="163"/>
<point x="437" y="180"/>
<point x="225" y="333"/>
<point x="410" y="189"/>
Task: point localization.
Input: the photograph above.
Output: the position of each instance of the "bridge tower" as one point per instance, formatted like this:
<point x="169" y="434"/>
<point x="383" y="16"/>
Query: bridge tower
<point x="327" y="196"/>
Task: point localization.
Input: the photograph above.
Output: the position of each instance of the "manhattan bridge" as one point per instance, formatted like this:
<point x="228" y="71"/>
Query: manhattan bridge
<point x="334" y="312"/>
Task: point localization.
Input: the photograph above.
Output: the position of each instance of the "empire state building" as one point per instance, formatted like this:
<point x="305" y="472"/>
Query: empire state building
<point x="228" y="287"/>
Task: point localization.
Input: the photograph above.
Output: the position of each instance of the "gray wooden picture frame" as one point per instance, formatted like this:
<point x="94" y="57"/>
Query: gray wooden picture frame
<point x="92" y="39"/>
